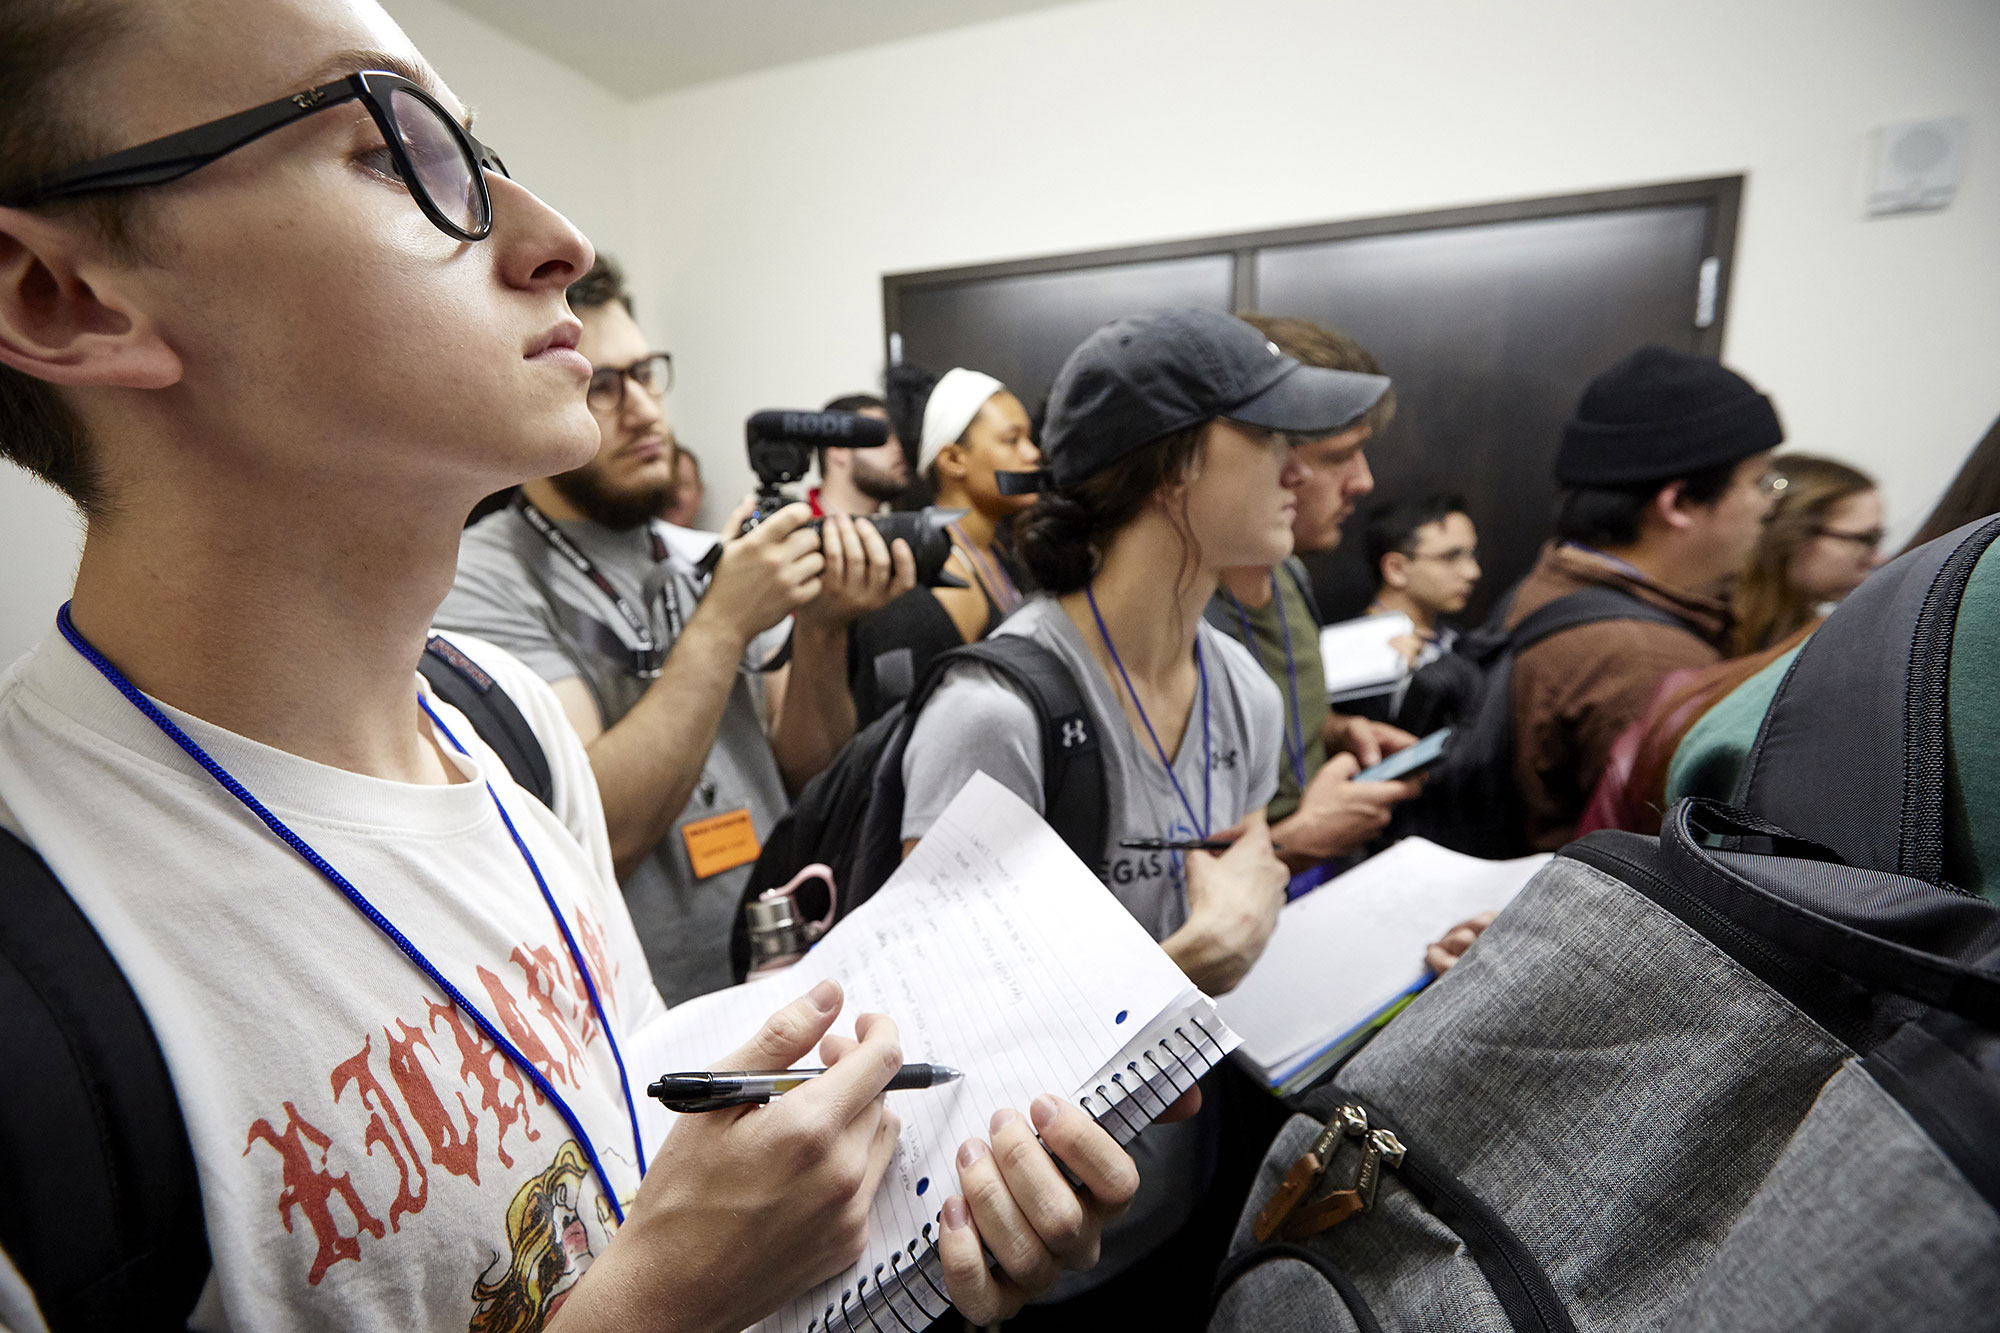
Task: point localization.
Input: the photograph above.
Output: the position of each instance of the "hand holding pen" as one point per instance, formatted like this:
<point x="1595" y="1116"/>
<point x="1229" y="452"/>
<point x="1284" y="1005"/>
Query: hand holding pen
<point x="698" y="1090"/>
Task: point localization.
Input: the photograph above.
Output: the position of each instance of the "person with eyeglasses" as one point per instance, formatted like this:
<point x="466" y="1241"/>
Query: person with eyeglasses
<point x="1664" y="479"/>
<point x="275" y="360"/>
<point x="670" y="649"/>
<point x="1824" y="536"/>
<point x="1425" y="554"/>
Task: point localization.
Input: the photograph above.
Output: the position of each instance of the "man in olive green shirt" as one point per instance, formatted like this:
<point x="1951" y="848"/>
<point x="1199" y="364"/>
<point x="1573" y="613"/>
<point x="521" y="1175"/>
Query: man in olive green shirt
<point x="1318" y="813"/>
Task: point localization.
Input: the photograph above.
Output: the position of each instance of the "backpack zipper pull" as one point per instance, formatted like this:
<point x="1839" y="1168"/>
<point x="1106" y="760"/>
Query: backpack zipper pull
<point x="1378" y="1149"/>
<point x="1305" y="1173"/>
<point x="1385" y="1150"/>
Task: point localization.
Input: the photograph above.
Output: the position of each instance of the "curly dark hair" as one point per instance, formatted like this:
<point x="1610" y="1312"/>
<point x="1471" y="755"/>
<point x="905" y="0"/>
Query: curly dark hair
<point x="1063" y="538"/>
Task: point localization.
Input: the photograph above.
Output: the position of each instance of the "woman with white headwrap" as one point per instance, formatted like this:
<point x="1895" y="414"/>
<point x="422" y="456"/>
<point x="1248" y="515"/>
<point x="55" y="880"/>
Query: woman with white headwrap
<point x="972" y="428"/>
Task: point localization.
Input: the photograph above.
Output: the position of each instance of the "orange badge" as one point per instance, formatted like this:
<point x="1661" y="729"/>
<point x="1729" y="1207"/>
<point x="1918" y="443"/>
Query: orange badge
<point x="720" y="842"/>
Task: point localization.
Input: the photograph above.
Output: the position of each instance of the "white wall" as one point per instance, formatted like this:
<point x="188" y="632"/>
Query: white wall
<point x="560" y="134"/>
<point x="757" y="215"/>
<point x="770" y="205"/>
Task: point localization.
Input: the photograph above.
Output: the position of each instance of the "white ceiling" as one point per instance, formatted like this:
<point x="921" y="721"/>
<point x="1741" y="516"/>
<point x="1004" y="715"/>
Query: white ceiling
<point x="640" y="47"/>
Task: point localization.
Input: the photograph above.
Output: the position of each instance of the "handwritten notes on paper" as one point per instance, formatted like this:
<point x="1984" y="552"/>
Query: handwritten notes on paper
<point x="997" y="952"/>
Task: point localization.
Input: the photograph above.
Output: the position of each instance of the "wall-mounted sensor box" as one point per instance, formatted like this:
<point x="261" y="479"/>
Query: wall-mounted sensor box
<point x="1916" y="165"/>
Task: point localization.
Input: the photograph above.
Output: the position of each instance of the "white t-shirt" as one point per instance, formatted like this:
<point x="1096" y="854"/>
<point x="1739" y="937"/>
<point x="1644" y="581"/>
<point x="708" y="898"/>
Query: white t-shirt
<point x="367" y="1158"/>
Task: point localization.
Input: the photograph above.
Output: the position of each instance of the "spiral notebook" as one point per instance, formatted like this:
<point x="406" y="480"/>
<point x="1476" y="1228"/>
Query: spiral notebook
<point x="997" y="952"/>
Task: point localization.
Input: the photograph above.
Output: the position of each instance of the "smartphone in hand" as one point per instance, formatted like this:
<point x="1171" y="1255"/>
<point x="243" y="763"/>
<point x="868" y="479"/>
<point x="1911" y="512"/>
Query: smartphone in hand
<point x="1408" y="761"/>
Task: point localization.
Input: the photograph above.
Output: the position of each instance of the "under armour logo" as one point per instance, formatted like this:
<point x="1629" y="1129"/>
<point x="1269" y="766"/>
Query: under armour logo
<point x="1074" y="733"/>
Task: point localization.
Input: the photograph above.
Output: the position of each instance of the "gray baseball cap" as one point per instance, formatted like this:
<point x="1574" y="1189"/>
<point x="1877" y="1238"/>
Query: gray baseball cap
<point x="1144" y="376"/>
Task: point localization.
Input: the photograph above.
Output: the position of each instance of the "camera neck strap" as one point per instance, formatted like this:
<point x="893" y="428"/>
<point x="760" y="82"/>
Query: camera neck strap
<point x="992" y="575"/>
<point x="647" y="652"/>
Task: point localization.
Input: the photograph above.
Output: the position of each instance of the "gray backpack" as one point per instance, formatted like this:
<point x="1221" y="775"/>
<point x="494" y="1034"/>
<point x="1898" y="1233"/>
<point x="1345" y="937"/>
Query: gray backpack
<point x="1741" y="1077"/>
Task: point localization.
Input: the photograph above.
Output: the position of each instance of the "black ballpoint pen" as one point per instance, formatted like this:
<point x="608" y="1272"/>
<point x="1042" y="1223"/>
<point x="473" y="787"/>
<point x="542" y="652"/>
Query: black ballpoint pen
<point x="704" y="1091"/>
<point x="1184" y="844"/>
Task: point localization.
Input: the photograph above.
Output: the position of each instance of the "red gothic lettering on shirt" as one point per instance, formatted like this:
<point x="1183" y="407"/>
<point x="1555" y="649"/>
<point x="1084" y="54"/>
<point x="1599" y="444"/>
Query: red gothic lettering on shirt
<point x="526" y="1040"/>
<point x="541" y="971"/>
<point x="476" y="1064"/>
<point x="309" y="1188"/>
<point x="401" y="1150"/>
<point x="590" y="938"/>
<point x="455" y="1152"/>
<point x="309" y="1182"/>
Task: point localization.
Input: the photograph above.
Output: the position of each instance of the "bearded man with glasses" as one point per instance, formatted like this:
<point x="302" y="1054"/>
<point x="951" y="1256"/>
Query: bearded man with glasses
<point x="671" y="651"/>
<point x="275" y="358"/>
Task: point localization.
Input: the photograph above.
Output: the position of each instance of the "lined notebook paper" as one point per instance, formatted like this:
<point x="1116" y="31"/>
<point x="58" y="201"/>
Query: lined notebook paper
<point x="1348" y="955"/>
<point x="997" y="952"/>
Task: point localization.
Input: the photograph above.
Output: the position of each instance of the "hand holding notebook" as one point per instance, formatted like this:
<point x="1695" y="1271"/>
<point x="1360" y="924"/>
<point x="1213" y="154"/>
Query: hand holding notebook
<point x="996" y="952"/>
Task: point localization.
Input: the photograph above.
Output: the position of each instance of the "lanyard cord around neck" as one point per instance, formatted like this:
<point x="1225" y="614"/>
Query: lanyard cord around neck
<point x="1295" y="737"/>
<point x="1201" y="825"/>
<point x="229" y="784"/>
<point x="648" y="654"/>
<point x="991" y="574"/>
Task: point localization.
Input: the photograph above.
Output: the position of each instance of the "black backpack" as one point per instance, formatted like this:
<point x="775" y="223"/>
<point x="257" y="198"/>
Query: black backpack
<point x="1471" y="802"/>
<point x="850" y="817"/>
<point x="103" y="1215"/>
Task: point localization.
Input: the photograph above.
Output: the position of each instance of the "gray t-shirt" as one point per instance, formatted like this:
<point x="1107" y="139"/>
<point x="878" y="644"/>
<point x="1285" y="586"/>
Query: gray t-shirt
<point x="515" y="590"/>
<point x="977" y="722"/>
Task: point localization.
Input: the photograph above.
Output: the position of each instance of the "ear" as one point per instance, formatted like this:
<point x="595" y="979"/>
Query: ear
<point x="1671" y="507"/>
<point x="950" y="463"/>
<point x="1396" y="571"/>
<point x="68" y="316"/>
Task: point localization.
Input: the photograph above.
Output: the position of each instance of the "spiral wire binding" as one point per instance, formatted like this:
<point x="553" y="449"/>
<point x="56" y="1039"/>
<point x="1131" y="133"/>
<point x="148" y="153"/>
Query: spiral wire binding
<point x="856" y="1302"/>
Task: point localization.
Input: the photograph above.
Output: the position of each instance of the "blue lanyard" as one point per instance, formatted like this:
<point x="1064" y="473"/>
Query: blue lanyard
<point x="1201" y="825"/>
<point x="317" y="862"/>
<point x="1295" y="739"/>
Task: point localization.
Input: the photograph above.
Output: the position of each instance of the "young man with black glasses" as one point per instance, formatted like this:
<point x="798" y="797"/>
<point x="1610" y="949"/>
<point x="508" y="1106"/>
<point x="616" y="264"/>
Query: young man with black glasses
<point x="275" y="379"/>
<point x="664" y="668"/>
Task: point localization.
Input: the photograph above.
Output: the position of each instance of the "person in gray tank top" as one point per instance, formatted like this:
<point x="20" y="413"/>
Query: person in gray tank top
<point x="1167" y="459"/>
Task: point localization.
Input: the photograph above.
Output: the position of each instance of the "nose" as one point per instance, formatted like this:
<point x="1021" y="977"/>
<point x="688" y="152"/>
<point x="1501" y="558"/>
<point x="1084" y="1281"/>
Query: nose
<point x="1360" y="481"/>
<point x="641" y="410"/>
<point x="1293" y="473"/>
<point x="536" y="246"/>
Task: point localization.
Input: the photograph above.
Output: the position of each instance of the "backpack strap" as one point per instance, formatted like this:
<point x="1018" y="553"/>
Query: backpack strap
<point x="1871" y="785"/>
<point x="104" y="1216"/>
<point x="1073" y="793"/>
<point x="1585" y="606"/>
<point x="461" y="682"/>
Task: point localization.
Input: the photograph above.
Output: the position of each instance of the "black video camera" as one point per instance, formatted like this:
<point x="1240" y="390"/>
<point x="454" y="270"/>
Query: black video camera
<point x="781" y="450"/>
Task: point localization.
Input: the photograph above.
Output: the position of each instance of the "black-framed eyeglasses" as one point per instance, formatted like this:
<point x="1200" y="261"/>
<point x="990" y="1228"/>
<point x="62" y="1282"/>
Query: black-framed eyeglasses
<point x="653" y="372"/>
<point x="1870" y="540"/>
<point x="438" y="160"/>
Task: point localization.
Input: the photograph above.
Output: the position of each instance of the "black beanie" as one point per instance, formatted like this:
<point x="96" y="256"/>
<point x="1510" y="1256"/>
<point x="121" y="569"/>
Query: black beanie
<point x="1661" y="414"/>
